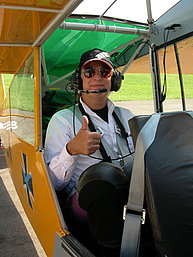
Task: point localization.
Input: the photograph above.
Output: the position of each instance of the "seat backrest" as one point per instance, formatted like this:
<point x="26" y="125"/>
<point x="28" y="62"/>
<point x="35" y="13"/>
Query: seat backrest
<point x="169" y="182"/>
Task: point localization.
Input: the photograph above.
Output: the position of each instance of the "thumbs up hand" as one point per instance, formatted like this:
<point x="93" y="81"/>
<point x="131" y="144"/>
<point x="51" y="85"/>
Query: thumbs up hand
<point x="85" y="142"/>
<point x="84" y="123"/>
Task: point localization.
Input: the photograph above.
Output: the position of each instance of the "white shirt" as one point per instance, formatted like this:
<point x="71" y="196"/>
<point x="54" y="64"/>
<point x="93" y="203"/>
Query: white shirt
<point x="65" y="169"/>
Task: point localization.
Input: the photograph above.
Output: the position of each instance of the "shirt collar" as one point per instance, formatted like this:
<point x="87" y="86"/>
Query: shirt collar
<point x="110" y="105"/>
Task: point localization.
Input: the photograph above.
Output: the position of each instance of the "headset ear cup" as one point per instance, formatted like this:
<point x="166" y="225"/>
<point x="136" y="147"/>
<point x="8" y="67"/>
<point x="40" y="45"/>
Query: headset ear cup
<point x="76" y="79"/>
<point x="79" y="80"/>
<point x="116" y="81"/>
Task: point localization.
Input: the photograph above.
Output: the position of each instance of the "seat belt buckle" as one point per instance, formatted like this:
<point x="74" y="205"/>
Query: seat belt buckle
<point x="100" y="131"/>
<point x="121" y="162"/>
<point x="127" y="210"/>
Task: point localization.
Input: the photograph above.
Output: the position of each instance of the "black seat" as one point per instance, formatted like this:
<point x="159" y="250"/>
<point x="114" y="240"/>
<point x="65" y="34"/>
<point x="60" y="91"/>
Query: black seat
<point x="169" y="182"/>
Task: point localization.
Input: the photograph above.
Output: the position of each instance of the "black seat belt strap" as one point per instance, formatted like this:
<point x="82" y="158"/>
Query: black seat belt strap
<point x="123" y="132"/>
<point x="92" y="129"/>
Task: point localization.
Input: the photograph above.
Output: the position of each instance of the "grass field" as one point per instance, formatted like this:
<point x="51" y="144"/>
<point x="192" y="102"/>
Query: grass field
<point x="135" y="86"/>
<point x="21" y="93"/>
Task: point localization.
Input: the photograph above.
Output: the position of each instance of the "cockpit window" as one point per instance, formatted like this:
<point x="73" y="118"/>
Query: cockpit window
<point x="177" y="79"/>
<point x="22" y="101"/>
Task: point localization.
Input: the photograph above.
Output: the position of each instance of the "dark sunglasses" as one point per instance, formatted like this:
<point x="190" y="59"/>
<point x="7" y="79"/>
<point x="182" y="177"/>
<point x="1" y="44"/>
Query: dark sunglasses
<point x="91" y="71"/>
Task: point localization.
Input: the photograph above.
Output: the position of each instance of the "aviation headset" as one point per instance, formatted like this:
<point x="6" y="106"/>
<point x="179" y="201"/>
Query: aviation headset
<point x="97" y="55"/>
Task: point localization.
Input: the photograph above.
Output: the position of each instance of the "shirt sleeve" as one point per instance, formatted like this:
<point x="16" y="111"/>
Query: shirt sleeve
<point x="61" y="163"/>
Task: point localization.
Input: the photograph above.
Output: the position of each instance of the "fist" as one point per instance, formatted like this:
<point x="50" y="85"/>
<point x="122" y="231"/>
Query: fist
<point x="85" y="142"/>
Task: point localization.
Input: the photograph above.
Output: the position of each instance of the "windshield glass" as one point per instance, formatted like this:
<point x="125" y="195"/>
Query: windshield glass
<point x="125" y="9"/>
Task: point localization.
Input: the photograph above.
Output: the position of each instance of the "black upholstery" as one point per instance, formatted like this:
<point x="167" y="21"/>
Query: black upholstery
<point x="169" y="183"/>
<point x="103" y="191"/>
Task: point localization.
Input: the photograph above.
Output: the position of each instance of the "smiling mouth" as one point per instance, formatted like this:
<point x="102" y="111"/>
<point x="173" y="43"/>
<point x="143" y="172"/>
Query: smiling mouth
<point x="96" y="87"/>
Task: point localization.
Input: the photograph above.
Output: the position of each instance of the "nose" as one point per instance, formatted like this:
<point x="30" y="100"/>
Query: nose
<point x="97" y="73"/>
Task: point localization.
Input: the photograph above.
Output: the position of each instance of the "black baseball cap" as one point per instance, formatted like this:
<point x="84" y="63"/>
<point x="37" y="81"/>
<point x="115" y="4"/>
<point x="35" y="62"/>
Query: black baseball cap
<point x="95" y="55"/>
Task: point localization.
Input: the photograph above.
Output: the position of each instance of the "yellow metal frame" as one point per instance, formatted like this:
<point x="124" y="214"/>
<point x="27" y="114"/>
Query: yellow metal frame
<point x="27" y="24"/>
<point x="44" y="215"/>
<point x="24" y="27"/>
<point x="37" y="59"/>
<point x="2" y="92"/>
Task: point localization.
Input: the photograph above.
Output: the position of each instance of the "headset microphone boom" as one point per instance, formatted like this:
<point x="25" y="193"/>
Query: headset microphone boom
<point x="102" y="90"/>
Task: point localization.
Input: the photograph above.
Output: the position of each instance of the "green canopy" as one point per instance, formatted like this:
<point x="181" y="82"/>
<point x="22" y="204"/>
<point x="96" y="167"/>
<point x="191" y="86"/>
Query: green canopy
<point x="63" y="49"/>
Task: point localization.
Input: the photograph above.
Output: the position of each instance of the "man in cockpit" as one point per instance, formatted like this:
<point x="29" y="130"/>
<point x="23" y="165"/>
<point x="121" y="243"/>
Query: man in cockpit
<point x="89" y="150"/>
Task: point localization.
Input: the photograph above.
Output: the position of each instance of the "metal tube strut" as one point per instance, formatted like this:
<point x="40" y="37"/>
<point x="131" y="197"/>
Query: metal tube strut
<point x="102" y="28"/>
<point x="180" y="77"/>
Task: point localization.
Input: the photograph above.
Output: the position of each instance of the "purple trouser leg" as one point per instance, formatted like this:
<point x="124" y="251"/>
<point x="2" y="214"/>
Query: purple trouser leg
<point x="78" y="212"/>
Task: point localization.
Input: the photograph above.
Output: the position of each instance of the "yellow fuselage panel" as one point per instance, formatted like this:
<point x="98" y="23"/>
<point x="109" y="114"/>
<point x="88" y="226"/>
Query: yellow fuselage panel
<point x="23" y="32"/>
<point x="35" y="192"/>
<point x="50" y="4"/>
<point x="20" y="28"/>
<point x="12" y="57"/>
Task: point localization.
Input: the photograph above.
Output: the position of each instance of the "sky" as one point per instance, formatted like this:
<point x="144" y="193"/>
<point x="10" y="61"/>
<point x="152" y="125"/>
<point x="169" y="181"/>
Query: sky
<point x="134" y="10"/>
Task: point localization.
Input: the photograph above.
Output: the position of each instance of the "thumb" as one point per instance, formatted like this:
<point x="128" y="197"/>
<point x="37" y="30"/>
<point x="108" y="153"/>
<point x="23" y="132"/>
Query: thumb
<point x="84" y="123"/>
